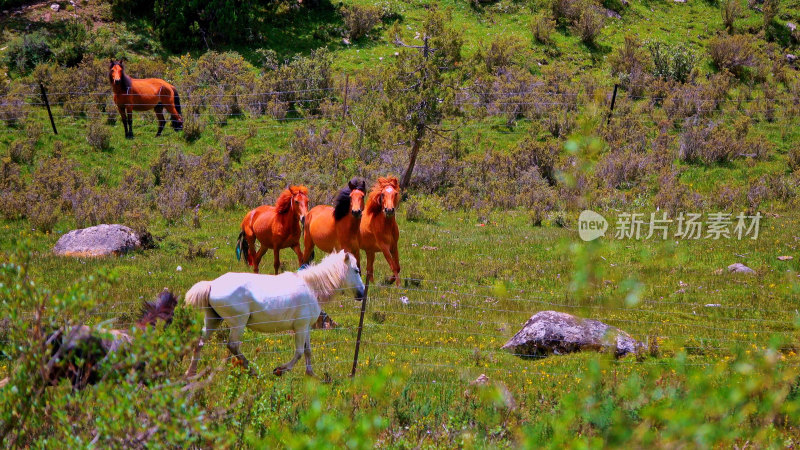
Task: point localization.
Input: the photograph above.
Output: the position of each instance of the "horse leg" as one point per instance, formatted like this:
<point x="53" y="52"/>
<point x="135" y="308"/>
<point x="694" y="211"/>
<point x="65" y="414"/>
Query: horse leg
<point x="161" y="120"/>
<point x="307" y="352"/>
<point x="234" y="341"/>
<point x="258" y="257"/>
<point x="370" y="264"/>
<point x="276" y="260"/>
<point x="211" y="324"/>
<point x="387" y="253"/>
<point x="296" y="249"/>
<point x="177" y="120"/>
<point x="130" y="122"/>
<point x="124" y="117"/>
<point x="308" y="252"/>
<point x="396" y="259"/>
<point x="300" y="337"/>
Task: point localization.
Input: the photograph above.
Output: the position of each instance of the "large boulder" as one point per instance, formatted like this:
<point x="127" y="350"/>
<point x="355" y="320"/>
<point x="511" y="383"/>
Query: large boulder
<point x="100" y="240"/>
<point x="555" y="332"/>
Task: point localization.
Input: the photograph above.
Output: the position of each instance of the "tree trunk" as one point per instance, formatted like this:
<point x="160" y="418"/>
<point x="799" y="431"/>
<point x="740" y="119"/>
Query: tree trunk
<point x="413" y="160"/>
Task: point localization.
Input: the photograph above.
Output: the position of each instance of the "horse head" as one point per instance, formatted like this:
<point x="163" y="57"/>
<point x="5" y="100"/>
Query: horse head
<point x="299" y="202"/>
<point x="388" y="194"/>
<point x="353" y="275"/>
<point x="357" y="192"/>
<point x="116" y="72"/>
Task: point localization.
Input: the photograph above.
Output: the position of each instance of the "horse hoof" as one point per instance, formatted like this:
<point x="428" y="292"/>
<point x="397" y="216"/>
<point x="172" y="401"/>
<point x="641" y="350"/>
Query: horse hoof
<point x="311" y="373"/>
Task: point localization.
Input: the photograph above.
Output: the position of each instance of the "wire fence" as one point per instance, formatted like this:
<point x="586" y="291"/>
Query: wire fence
<point x="445" y="332"/>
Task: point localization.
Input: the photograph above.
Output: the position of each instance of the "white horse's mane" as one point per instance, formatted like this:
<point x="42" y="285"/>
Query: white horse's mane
<point x="326" y="277"/>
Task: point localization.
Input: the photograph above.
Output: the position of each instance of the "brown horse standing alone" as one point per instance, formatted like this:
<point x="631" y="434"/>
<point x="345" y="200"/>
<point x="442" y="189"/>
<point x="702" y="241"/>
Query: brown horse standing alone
<point x="275" y="227"/>
<point x="379" y="231"/>
<point x="333" y="228"/>
<point x="133" y="94"/>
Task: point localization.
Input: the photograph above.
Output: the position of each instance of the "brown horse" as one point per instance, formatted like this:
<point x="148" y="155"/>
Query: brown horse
<point x="333" y="228"/>
<point x="134" y="94"/>
<point x="275" y="227"/>
<point x="76" y="353"/>
<point x="379" y="232"/>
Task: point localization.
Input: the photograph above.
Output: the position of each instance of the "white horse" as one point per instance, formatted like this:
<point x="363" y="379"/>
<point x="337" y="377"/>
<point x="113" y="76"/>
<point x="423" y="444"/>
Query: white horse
<point x="269" y="303"/>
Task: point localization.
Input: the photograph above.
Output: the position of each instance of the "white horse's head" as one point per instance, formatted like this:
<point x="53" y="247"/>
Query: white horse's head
<point x="353" y="275"/>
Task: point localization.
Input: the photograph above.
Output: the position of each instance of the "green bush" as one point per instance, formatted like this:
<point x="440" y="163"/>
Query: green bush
<point x="201" y="24"/>
<point x="25" y="52"/>
<point x="426" y="209"/>
<point x="672" y="62"/>
<point x="98" y="136"/>
<point x="734" y="53"/>
<point x="360" y="20"/>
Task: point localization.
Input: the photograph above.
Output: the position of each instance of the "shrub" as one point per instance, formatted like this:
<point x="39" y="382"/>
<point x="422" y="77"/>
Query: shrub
<point x="499" y="53"/>
<point x="98" y="136"/>
<point x="360" y="20"/>
<point x="794" y="158"/>
<point x="590" y="25"/>
<point x="731" y="10"/>
<point x="672" y="62"/>
<point x="22" y="151"/>
<point x="566" y="10"/>
<point x="234" y="147"/>
<point x="734" y="53"/>
<point x="192" y="127"/>
<point x="426" y="209"/>
<point x="24" y="53"/>
<point x="542" y="27"/>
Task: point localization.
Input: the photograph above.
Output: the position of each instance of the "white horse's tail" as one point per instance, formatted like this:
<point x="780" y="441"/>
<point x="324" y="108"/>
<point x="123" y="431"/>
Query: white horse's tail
<point x="197" y="295"/>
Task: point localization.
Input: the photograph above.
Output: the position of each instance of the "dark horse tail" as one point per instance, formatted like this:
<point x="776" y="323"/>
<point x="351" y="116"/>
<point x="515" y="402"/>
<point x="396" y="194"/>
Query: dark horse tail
<point x="177" y="124"/>
<point x="243" y="248"/>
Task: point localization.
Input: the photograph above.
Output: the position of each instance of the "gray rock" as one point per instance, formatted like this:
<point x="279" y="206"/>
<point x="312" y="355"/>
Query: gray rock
<point x="55" y="7"/>
<point x="100" y="240"/>
<point x="791" y="58"/>
<point x="740" y="268"/>
<point x="555" y="332"/>
<point x="791" y="26"/>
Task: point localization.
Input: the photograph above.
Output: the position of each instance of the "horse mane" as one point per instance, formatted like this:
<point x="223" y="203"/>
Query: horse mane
<point x="162" y="308"/>
<point x="341" y="205"/>
<point x="284" y="202"/>
<point x="325" y="278"/>
<point x="373" y="205"/>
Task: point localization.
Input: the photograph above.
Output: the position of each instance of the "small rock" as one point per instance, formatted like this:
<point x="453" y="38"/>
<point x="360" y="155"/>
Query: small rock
<point x="785" y="258"/>
<point x="178" y="269"/>
<point x="791" y="58"/>
<point x="740" y="268"/>
<point x="55" y="7"/>
<point x="346" y="41"/>
<point x="713" y="305"/>
<point x="791" y="26"/>
<point x="679" y="1"/>
<point x="404" y="300"/>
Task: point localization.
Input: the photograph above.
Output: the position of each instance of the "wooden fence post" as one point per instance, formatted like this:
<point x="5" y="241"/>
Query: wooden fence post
<point x="47" y="104"/>
<point x="613" y="101"/>
<point x="346" y="89"/>
<point x="360" y="328"/>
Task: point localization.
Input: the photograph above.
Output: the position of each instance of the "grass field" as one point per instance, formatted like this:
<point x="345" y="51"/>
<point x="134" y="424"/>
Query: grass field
<point x="719" y="365"/>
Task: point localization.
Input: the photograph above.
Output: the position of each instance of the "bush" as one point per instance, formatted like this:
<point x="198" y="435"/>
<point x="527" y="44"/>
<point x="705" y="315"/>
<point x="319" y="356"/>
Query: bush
<point x="181" y="24"/>
<point x="499" y="53"/>
<point x="24" y="53"/>
<point x="360" y="20"/>
<point x="794" y="158"/>
<point x="590" y="25"/>
<point x="542" y="27"/>
<point x="731" y="10"/>
<point x="98" y="136"/>
<point x="22" y="151"/>
<point x="733" y="53"/>
<point x="234" y="147"/>
<point x="426" y="209"/>
<point x="192" y="127"/>
<point x="672" y="62"/>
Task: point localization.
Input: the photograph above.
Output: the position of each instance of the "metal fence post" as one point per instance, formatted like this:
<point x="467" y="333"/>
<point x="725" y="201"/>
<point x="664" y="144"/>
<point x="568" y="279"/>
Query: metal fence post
<point x="360" y="328"/>
<point x="47" y="104"/>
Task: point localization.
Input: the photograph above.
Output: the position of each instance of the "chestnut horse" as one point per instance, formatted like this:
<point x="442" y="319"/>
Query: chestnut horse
<point x="134" y="94"/>
<point x="379" y="232"/>
<point x="275" y="227"/>
<point x="333" y="228"/>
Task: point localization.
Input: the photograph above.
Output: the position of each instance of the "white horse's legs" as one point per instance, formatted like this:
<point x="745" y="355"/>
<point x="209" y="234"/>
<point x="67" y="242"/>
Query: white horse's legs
<point x="234" y="341"/>
<point x="307" y="351"/>
<point x="211" y="324"/>
<point x="300" y="338"/>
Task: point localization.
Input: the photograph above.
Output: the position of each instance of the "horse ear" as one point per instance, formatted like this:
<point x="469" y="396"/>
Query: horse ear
<point x="352" y="184"/>
<point x="346" y="257"/>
